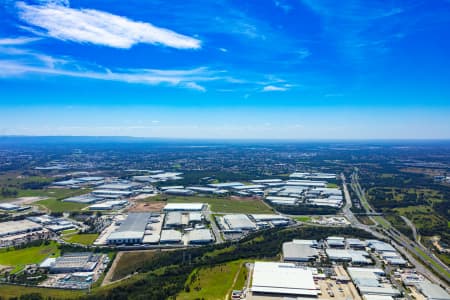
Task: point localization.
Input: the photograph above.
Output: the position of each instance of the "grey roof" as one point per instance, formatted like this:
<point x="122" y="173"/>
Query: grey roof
<point x="170" y="236"/>
<point x="173" y="218"/>
<point x="295" y="251"/>
<point x="239" y="221"/>
<point x="433" y="291"/>
<point x="132" y="228"/>
<point x="199" y="235"/>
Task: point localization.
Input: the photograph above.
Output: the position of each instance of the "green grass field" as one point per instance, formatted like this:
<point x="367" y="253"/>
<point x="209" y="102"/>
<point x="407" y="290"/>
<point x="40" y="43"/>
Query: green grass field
<point x="303" y="219"/>
<point x="32" y="255"/>
<point x="10" y="291"/>
<point x="58" y="206"/>
<point x="226" y="205"/>
<point x="211" y="282"/>
<point x="84" y="239"/>
<point x="130" y="262"/>
<point x="332" y="185"/>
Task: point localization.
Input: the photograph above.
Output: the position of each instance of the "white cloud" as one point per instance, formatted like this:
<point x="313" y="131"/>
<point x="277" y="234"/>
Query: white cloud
<point x="195" y="86"/>
<point x="17" y="41"/>
<point x="273" y="88"/>
<point x="98" y="27"/>
<point x="36" y="63"/>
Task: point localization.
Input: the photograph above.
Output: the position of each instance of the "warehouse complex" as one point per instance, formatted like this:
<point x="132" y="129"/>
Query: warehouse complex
<point x="132" y="230"/>
<point x="283" y="279"/>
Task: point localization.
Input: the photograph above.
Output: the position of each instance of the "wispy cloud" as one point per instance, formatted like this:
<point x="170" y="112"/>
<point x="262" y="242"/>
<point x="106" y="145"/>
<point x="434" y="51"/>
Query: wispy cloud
<point x="98" y="27"/>
<point x="273" y="88"/>
<point x="17" y="41"/>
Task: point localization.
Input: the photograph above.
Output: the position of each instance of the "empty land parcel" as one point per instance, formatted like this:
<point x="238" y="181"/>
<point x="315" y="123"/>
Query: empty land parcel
<point x="221" y="204"/>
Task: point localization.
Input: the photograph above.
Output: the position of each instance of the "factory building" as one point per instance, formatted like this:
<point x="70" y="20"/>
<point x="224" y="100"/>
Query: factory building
<point x="84" y="199"/>
<point x="170" y="236"/>
<point x="336" y="242"/>
<point x="131" y="231"/>
<point x="109" y="205"/>
<point x="369" y="281"/>
<point x="12" y="207"/>
<point x="173" y="219"/>
<point x="199" y="236"/>
<point x="72" y="262"/>
<point x="18" y="227"/>
<point x="239" y="222"/>
<point x="298" y="251"/>
<point x="225" y="185"/>
<point x="179" y="192"/>
<point x="432" y="291"/>
<point x="184" y="207"/>
<point x="357" y="257"/>
<point x="282" y="200"/>
<point x="283" y="280"/>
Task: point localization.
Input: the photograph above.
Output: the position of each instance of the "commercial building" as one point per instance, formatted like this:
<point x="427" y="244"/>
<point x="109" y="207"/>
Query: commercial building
<point x="120" y="186"/>
<point x="432" y="291"/>
<point x="282" y="279"/>
<point x="131" y="231"/>
<point x="358" y="257"/>
<point x="18" y="227"/>
<point x="12" y="207"/>
<point x="85" y="199"/>
<point x="299" y="252"/>
<point x="371" y="281"/>
<point x="173" y="219"/>
<point x="170" y="236"/>
<point x="109" y="205"/>
<point x="184" y="207"/>
<point x="199" y="236"/>
<point x="225" y="185"/>
<point x="73" y="262"/>
<point x="239" y="222"/>
<point x="179" y="192"/>
<point x="282" y="200"/>
<point x="336" y="242"/>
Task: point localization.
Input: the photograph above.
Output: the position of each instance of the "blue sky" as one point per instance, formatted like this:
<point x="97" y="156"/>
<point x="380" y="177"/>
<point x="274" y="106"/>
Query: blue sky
<point x="299" y="69"/>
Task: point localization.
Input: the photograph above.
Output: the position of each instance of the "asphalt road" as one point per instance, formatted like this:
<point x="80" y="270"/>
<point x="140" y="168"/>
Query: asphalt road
<point x="402" y="243"/>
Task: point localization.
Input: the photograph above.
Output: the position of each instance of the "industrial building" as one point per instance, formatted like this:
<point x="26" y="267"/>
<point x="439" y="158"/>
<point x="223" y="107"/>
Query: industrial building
<point x="283" y="279"/>
<point x="131" y="231"/>
<point x="17" y="227"/>
<point x="358" y="257"/>
<point x="282" y="200"/>
<point x="299" y="251"/>
<point x="109" y="205"/>
<point x="225" y="185"/>
<point x="184" y="207"/>
<point x="336" y="242"/>
<point x="369" y="281"/>
<point x="179" y="192"/>
<point x="199" y="236"/>
<point x="239" y="222"/>
<point x="432" y="291"/>
<point x="84" y="199"/>
<point x="170" y="236"/>
<point x="72" y="262"/>
<point x="173" y="219"/>
<point x="13" y="207"/>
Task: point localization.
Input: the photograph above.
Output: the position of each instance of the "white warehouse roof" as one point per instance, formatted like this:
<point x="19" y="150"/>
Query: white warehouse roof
<point x="184" y="206"/>
<point x="283" y="278"/>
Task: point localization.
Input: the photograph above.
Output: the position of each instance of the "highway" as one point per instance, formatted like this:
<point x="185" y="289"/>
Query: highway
<point x="399" y="241"/>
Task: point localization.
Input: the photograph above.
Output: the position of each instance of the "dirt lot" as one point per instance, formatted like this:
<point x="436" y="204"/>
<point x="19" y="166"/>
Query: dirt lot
<point x="155" y="206"/>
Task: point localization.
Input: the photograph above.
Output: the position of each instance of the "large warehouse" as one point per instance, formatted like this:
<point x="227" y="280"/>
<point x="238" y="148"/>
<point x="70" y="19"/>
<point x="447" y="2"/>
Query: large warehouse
<point x="283" y="279"/>
<point x="184" y="207"/>
<point x="299" y="251"/>
<point x="131" y="231"/>
<point x="239" y="222"/>
<point x="17" y="227"/>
